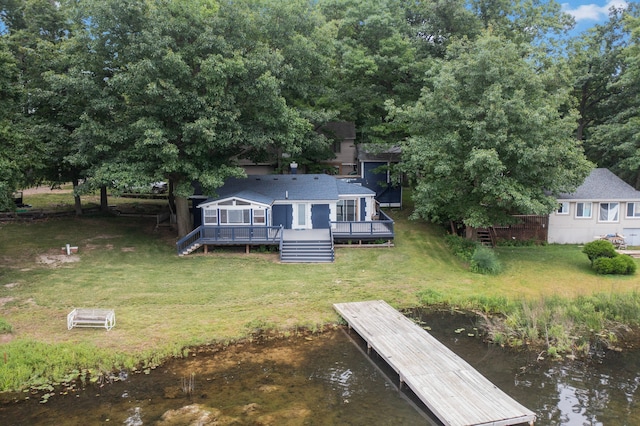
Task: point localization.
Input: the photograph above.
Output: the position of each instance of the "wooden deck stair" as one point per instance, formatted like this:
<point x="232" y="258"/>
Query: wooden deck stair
<point x="307" y="246"/>
<point x="486" y="237"/>
<point x="193" y="247"/>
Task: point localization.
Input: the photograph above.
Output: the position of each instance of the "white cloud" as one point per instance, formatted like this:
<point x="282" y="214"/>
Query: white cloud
<point x="593" y="12"/>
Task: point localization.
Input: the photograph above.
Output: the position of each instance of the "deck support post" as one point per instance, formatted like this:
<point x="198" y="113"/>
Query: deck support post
<point x="246" y="248"/>
<point x="206" y="249"/>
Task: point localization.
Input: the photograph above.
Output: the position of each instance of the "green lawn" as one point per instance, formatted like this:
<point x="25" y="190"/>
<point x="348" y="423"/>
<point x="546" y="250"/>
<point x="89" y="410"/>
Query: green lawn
<point x="164" y="302"/>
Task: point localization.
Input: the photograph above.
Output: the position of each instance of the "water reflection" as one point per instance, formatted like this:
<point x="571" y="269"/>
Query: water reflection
<point x="327" y="380"/>
<point x="598" y="392"/>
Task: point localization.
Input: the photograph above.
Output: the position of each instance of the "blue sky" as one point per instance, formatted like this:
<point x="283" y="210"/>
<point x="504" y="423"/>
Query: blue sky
<point x="588" y="13"/>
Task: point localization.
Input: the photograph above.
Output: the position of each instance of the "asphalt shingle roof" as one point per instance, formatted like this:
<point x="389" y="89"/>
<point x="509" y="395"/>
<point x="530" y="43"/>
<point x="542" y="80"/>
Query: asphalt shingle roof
<point x="602" y="184"/>
<point x="269" y="188"/>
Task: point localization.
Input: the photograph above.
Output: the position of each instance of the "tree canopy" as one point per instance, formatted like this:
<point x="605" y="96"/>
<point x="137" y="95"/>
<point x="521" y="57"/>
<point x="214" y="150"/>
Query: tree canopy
<point x="488" y="138"/>
<point x="491" y="114"/>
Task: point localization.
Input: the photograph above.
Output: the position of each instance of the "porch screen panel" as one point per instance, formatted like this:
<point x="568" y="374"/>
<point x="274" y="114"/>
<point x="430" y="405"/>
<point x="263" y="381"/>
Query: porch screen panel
<point x="363" y="209"/>
<point x="210" y="216"/>
<point x="346" y="211"/>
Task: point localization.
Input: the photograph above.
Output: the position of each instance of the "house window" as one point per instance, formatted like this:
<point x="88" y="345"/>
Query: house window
<point x="583" y="210"/>
<point x="346" y="211"/>
<point x="211" y="216"/>
<point x="563" y="208"/>
<point x="235" y="216"/>
<point x="608" y="212"/>
<point x="258" y="217"/>
<point x="300" y="215"/>
<point x="633" y="209"/>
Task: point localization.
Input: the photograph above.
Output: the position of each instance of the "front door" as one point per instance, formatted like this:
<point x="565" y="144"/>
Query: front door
<point x="301" y="219"/>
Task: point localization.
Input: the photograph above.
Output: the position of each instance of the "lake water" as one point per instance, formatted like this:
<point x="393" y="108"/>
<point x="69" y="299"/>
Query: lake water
<point x="326" y="379"/>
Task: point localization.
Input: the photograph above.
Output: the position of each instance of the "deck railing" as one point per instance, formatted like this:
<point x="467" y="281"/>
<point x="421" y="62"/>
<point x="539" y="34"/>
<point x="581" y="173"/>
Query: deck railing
<point x="381" y="228"/>
<point x="230" y="235"/>
<point x="188" y="240"/>
<point x="206" y="234"/>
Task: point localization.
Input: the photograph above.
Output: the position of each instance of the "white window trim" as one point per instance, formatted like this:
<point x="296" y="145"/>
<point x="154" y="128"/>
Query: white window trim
<point x="590" y="210"/>
<point x="616" y="219"/>
<point x="227" y="223"/>
<point x="355" y="209"/>
<point x="263" y="215"/>
<point x="564" y="206"/>
<point x="204" y="219"/>
<point x="636" y="210"/>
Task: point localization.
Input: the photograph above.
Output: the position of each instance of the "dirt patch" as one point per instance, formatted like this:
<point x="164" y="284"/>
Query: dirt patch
<point x="44" y="190"/>
<point x="5" y="300"/>
<point x="56" y="260"/>
<point x="5" y="338"/>
<point x="128" y="249"/>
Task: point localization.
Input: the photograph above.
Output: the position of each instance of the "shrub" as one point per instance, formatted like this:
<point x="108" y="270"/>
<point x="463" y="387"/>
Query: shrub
<point x="5" y="327"/>
<point x="461" y="247"/>
<point x="485" y="261"/>
<point x="620" y="265"/>
<point x="598" y="249"/>
<point x="624" y="265"/>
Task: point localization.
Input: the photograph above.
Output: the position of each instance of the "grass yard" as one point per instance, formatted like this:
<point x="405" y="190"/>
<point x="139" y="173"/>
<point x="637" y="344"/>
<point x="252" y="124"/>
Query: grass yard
<point x="164" y="303"/>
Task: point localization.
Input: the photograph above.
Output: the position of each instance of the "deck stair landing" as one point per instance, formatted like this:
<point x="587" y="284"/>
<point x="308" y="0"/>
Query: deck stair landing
<point x="307" y="246"/>
<point x="453" y="390"/>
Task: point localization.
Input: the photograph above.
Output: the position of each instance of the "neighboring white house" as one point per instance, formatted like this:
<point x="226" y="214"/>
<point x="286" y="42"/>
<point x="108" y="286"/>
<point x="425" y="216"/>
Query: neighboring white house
<point x="603" y="204"/>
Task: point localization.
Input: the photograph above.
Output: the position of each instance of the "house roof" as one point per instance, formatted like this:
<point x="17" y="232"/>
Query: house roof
<point x="339" y="130"/>
<point x="373" y="152"/>
<point x="267" y="189"/>
<point x="602" y="184"/>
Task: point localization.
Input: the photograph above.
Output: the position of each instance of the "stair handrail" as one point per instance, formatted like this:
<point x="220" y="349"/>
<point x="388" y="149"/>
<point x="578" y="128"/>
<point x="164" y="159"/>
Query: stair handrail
<point x="333" y="252"/>
<point x="189" y="239"/>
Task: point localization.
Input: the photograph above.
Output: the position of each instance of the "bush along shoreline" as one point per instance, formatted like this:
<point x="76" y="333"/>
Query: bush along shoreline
<point x="560" y="327"/>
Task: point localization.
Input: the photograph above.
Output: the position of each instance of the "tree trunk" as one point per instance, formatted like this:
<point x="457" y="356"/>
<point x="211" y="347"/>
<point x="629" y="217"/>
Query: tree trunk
<point x="104" y="205"/>
<point x="183" y="216"/>
<point x="468" y="232"/>
<point x="76" y="198"/>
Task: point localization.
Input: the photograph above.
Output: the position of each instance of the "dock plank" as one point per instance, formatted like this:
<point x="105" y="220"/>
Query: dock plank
<point x="453" y="390"/>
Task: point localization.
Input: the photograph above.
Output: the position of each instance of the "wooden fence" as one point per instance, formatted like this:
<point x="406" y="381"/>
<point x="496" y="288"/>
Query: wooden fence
<point x="527" y="228"/>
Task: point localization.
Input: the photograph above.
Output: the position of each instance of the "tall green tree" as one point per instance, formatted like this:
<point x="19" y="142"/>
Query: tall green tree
<point x="14" y="154"/>
<point x="192" y="87"/>
<point x="488" y="138"/>
<point x="612" y="137"/>
<point x="39" y="37"/>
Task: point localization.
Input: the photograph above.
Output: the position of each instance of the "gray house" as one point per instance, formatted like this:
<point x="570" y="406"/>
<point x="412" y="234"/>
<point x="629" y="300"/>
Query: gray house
<point x="299" y="213"/>
<point x="604" y="204"/>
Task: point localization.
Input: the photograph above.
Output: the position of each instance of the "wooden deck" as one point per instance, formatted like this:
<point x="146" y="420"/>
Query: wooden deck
<point x="453" y="390"/>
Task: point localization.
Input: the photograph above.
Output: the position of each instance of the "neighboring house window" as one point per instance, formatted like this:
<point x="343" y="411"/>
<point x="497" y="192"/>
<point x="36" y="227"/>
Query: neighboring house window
<point x="337" y="146"/>
<point x="346" y="211"/>
<point x="563" y="208"/>
<point x="583" y="210"/>
<point x="211" y="216"/>
<point x="258" y="217"/>
<point x="235" y="217"/>
<point x="608" y="212"/>
<point x="633" y="209"/>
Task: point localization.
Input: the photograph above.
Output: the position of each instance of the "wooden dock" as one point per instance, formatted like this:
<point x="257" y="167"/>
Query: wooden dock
<point x="453" y="390"/>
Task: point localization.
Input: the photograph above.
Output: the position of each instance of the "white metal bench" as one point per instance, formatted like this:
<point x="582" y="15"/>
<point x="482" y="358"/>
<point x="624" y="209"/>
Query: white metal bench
<point x="91" y="318"/>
